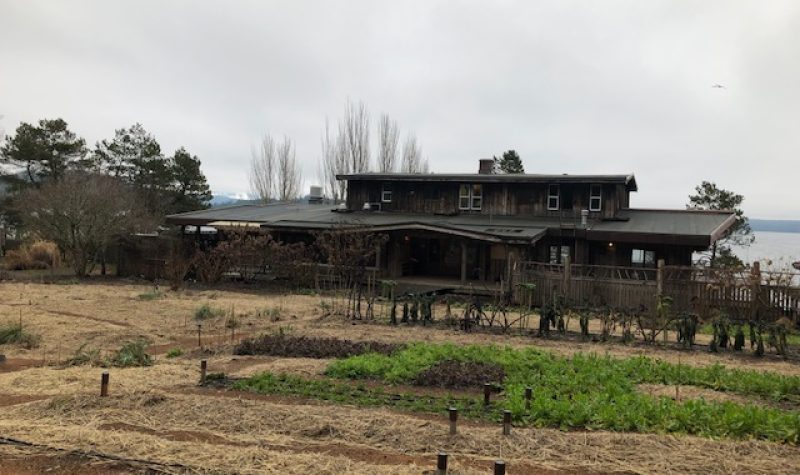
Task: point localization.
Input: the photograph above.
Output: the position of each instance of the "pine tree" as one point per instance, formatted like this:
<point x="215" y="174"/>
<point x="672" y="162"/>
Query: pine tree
<point x="191" y="188"/>
<point x="509" y="163"/>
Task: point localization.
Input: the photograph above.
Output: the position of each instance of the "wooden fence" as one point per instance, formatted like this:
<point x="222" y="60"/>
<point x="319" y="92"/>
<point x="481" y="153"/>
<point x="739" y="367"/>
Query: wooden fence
<point x="742" y="294"/>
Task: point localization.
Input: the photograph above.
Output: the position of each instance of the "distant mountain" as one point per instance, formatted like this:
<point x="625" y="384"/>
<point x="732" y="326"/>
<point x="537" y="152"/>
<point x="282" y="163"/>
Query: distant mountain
<point x="226" y="199"/>
<point x="775" y="225"/>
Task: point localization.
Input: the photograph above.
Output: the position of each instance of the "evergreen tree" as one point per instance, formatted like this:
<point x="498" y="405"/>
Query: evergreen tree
<point x="709" y="197"/>
<point x="509" y="163"/>
<point x="43" y="152"/>
<point x="191" y="188"/>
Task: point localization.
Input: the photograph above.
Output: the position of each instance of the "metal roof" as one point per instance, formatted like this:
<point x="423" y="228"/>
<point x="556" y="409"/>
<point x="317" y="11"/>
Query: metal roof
<point x="698" y="228"/>
<point x="628" y="179"/>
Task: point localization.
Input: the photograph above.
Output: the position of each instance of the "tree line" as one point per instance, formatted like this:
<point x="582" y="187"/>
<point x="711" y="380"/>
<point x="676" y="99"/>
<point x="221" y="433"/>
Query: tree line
<point x="274" y="174"/>
<point x="57" y="189"/>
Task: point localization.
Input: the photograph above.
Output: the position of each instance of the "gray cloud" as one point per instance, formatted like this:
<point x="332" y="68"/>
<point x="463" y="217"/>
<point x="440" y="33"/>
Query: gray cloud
<point x="572" y="86"/>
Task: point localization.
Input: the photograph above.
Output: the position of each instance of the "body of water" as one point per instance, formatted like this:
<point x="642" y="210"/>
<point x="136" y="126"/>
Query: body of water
<point x="779" y="248"/>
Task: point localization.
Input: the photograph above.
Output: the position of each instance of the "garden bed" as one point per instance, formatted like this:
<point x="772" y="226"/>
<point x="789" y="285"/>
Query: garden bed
<point x="280" y="344"/>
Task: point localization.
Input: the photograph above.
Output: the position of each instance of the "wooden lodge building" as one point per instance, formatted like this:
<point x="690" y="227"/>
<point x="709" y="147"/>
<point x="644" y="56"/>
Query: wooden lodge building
<point x="477" y="226"/>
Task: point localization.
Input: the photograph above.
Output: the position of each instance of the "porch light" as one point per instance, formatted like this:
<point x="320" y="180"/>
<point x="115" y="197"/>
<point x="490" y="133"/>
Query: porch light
<point x="611" y="244"/>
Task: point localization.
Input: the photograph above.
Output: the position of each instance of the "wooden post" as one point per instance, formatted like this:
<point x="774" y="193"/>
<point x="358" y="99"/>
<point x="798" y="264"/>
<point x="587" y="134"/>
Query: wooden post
<point x="660" y="278"/>
<point x="199" y="338"/>
<point x="756" y="290"/>
<point x="441" y="463"/>
<point x="528" y="397"/>
<point x="104" y="377"/>
<point x="463" y="261"/>
<point x="203" y="370"/>
<point x="453" y="420"/>
<point x="506" y="422"/>
<point x="499" y="467"/>
<point x="567" y="277"/>
<point x="487" y="394"/>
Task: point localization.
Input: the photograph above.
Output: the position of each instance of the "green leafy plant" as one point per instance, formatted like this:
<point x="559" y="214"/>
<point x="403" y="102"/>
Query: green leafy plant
<point x="174" y="353"/>
<point x="131" y="354"/>
<point x="151" y="295"/>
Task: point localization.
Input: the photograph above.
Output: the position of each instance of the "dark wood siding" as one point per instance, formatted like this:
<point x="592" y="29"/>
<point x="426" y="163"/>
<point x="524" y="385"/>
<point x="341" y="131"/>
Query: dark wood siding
<point x="499" y="199"/>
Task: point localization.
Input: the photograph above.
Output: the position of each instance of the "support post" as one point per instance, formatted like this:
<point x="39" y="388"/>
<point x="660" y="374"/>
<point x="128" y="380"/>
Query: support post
<point x="506" y="422"/>
<point x="104" y="377"/>
<point x="528" y="397"/>
<point x="487" y="394"/>
<point x="660" y="278"/>
<point x="441" y="463"/>
<point x="463" y="261"/>
<point x="499" y="467"/>
<point x="567" y="277"/>
<point x="453" y="420"/>
<point x="203" y="370"/>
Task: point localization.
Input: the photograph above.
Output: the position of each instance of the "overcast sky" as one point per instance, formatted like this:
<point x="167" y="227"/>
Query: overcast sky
<point x="574" y="87"/>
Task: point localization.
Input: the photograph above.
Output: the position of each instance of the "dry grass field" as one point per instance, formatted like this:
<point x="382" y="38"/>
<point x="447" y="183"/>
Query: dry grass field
<point x="157" y="419"/>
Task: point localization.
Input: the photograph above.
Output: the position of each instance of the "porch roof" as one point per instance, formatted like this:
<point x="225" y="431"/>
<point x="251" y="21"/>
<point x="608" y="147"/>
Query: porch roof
<point x="682" y="227"/>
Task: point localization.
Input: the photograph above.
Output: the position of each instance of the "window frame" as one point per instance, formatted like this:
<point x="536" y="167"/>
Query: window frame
<point x="556" y="197"/>
<point x="560" y="252"/>
<point x="646" y="259"/>
<point x="598" y="197"/>
<point x="386" y="188"/>
<point x="470" y="196"/>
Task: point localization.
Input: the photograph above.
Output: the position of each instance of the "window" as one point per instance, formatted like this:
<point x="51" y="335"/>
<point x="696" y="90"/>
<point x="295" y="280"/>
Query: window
<point x="552" y="197"/>
<point x="642" y="258"/>
<point x="595" y="197"/>
<point x="386" y="193"/>
<point x="470" y="197"/>
<point x="558" y="254"/>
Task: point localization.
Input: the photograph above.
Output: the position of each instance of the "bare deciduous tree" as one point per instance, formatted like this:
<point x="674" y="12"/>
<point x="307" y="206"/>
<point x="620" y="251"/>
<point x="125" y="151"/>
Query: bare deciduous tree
<point x="388" y="136"/>
<point x="262" y="170"/>
<point x="354" y="132"/>
<point x="82" y="213"/>
<point x="412" y="161"/>
<point x="333" y="162"/>
<point x="288" y="178"/>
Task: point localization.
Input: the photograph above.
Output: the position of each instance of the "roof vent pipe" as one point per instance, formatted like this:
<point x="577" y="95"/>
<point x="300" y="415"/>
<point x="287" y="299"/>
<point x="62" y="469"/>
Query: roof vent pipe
<point x="584" y="217"/>
<point x="485" y="166"/>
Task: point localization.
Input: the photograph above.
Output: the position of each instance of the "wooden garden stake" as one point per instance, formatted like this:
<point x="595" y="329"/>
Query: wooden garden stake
<point x="528" y="397"/>
<point x="453" y="420"/>
<point x="203" y="369"/>
<point x="499" y="467"/>
<point x="506" y="422"/>
<point x="104" y="384"/>
<point x="441" y="463"/>
<point x="199" y="339"/>
<point x="487" y="394"/>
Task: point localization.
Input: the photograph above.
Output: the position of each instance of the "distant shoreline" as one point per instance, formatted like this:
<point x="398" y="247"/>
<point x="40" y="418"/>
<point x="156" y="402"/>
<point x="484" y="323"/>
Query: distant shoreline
<point x="775" y="225"/>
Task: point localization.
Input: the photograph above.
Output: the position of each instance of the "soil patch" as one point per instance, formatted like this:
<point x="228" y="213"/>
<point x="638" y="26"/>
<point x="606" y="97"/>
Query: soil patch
<point x="14" y="399"/>
<point x="460" y="374"/>
<point x="61" y="464"/>
<point x="310" y="347"/>
<point x="9" y="365"/>
<point x="683" y="393"/>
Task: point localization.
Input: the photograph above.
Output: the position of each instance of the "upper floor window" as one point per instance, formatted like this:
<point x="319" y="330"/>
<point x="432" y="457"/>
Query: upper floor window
<point x="386" y="193"/>
<point x="642" y="258"/>
<point x="470" y="196"/>
<point x="553" y="197"/>
<point x="595" y="197"/>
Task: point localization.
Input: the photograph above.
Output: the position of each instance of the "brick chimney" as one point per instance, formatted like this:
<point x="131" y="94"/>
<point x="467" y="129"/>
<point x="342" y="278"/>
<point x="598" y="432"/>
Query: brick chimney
<point x="485" y="166"/>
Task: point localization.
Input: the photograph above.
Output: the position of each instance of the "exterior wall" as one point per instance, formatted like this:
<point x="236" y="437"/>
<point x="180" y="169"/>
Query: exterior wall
<point x="499" y="199"/>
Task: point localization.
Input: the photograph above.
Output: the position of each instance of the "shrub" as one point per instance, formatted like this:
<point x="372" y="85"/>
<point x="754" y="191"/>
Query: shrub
<point x="206" y="312"/>
<point x="36" y="255"/>
<point x="273" y="313"/>
<point x="174" y="353"/>
<point x="15" y="334"/>
<point x="131" y="354"/>
<point x="82" y="356"/>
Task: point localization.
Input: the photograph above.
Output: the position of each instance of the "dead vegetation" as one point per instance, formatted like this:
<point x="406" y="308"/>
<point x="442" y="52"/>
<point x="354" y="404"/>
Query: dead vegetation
<point x="158" y="413"/>
<point x="460" y="374"/>
<point x="281" y="344"/>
